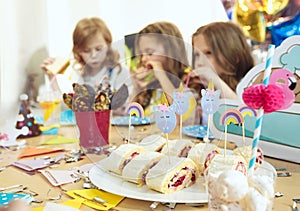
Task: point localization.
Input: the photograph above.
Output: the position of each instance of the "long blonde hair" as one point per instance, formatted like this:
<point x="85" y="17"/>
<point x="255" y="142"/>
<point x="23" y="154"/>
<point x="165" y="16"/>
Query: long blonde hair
<point x="85" y="30"/>
<point x="230" y="50"/>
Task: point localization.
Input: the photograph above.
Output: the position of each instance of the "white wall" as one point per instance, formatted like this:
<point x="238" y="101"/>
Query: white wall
<point x="23" y="31"/>
<point x="127" y="16"/>
<point x="27" y="27"/>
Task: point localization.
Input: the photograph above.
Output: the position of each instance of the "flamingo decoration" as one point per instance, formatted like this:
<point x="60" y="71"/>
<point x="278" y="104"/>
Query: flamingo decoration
<point x="277" y="95"/>
<point x="287" y="82"/>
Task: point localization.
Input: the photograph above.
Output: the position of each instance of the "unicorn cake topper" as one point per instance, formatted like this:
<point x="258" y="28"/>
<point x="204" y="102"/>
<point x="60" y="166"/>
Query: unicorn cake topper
<point x="210" y="99"/>
<point x="165" y="116"/>
<point x="209" y="103"/>
<point x="181" y="100"/>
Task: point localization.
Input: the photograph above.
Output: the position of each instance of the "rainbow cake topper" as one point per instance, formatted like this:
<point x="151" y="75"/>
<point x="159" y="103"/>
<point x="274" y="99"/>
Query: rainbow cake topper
<point x="135" y="109"/>
<point x="231" y="116"/>
<point x="246" y="110"/>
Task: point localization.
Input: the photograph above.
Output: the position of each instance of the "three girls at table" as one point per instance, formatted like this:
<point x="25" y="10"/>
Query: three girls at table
<point x="220" y="53"/>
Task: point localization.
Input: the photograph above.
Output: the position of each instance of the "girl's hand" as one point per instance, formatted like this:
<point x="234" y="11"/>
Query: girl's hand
<point x="47" y="62"/>
<point x="156" y="67"/>
<point x="143" y="76"/>
<point x="44" y="65"/>
<point x="206" y="74"/>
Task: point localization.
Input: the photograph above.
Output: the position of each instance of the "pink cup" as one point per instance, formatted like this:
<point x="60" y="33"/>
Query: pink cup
<point x="93" y="127"/>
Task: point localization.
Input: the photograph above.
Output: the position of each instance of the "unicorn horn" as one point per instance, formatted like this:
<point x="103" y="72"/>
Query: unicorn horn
<point x="211" y="85"/>
<point x="164" y="99"/>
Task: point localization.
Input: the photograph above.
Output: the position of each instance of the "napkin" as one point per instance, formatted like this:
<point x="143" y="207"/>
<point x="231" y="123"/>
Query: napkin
<point x="50" y="206"/>
<point x="59" y="177"/>
<point x="75" y="203"/>
<point x="60" y="140"/>
<point x="30" y="165"/>
<point x="33" y="151"/>
<point x="112" y="200"/>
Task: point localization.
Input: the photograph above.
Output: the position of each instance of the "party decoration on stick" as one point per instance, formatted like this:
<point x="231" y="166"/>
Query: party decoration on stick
<point x="210" y="104"/>
<point x="245" y="111"/>
<point x="260" y="112"/>
<point x="230" y="116"/>
<point x="268" y="97"/>
<point x="165" y="117"/>
<point x="181" y="103"/>
<point x="134" y="109"/>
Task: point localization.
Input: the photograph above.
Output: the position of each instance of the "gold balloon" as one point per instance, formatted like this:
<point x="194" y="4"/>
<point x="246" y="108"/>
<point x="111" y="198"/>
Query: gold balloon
<point x="251" y="20"/>
<point x="272" y="7"/>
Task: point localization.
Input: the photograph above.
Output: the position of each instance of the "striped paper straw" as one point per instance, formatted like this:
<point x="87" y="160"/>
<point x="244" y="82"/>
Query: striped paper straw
<point x="260" y="112"/>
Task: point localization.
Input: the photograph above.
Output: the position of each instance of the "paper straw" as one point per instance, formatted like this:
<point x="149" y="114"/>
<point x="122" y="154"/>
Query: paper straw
<point x="260" y="112"/>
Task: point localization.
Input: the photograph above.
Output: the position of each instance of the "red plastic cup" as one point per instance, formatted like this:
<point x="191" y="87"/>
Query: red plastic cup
<point x="93" y="128"/>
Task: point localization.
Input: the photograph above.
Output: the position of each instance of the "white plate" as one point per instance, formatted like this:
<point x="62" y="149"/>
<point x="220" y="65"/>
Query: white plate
<point x="116" y="185"/>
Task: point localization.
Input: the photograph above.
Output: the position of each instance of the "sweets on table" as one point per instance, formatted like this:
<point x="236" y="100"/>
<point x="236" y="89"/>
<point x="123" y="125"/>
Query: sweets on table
<point x="121" y="156"/>
<point x="154" y="142"/>
<point x="221" y="163"/>
<point x="85" y="98"/>
<point x="136" y="170"/>
<point x="231" y="188"/>
<point x="172" y="174"/>
<point x="178" y="147"/>
<point x="245" y="151"/>
<point x="202" y="154"/>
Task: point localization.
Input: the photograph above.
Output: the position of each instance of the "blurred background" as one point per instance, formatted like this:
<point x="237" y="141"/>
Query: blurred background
<point x="32" y="30"/>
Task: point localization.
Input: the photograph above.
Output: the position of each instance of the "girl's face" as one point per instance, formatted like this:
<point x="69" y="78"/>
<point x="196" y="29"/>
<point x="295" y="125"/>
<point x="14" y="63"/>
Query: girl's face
<point x="151" y="50"/>
<point x="203" y="54"/>
<point x="94" y="53"/>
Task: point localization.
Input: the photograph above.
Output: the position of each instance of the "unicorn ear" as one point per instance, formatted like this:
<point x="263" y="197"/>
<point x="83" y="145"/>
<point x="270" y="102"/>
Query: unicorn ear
<point x="155" y="108"/>
<point x="203" y="92"/>
<point x="174" y="94"/>
<point x="173" y="107"/>
<point x="218" y="92"/>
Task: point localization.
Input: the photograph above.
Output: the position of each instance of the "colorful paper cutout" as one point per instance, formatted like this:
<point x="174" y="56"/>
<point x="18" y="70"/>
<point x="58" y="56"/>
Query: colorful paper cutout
<point x="135" y="109"/>
<point x="59" y="177"/>
<point x="33" y="151"/>
<point x="6" y="198"/>
<point x="75" y="203"/>
<point x="112" y="200"/>
<point x="165" y="118"/>
<point x="26" y="119"/>
<point x="60" y="140"/>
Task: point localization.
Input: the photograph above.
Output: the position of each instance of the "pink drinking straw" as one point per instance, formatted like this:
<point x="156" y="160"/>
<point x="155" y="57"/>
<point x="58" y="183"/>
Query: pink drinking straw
<point x="260" y="112"/>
